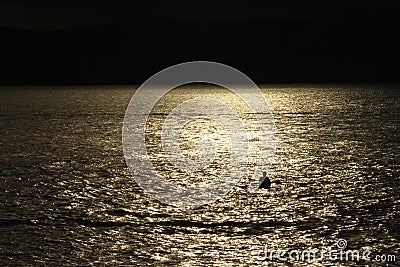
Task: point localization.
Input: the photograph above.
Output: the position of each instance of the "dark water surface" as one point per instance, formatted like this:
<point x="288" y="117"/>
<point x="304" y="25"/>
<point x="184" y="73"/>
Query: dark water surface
<point x="67" y="197"/>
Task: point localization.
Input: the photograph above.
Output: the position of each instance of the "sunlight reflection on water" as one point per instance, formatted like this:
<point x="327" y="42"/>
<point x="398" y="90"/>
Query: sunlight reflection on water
<point x="67" y="196"/>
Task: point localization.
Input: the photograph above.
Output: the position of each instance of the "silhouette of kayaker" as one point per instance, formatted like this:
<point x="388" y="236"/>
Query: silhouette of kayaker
<point x="265" y="182"/>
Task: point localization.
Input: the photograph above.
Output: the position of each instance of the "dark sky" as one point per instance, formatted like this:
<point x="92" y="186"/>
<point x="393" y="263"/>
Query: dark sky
<point x="51" y="14"/>
<point x="124" y="42"/>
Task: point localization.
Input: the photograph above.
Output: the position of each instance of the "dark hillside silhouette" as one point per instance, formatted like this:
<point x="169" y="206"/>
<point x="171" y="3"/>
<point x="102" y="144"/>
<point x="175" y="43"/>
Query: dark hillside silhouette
<point x="128" y="51"/>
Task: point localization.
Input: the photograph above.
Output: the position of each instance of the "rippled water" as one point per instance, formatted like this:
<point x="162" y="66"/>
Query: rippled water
<point x="67" y="196"/>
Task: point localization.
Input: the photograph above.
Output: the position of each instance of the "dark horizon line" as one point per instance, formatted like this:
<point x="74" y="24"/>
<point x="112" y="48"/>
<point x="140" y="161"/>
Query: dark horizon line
<point x="355" y="18"/>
